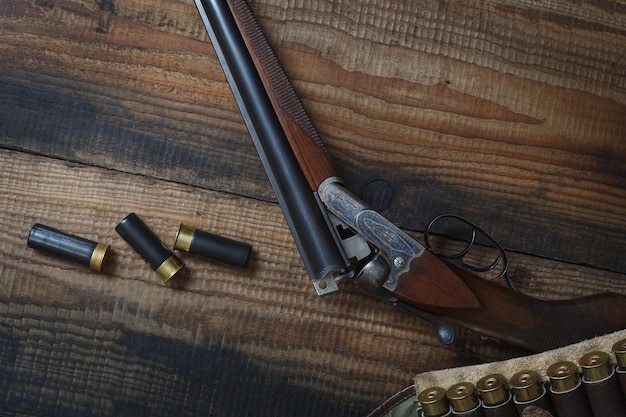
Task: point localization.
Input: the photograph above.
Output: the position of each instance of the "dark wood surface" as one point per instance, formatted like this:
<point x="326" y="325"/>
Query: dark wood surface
<point x="512" y="114"/>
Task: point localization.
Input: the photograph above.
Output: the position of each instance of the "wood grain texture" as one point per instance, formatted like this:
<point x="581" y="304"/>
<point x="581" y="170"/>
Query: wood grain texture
<point x="73" y="337"/>
<point x="507" y="114"/>
<point x="122" y="343"/>
<point x="510" y="113"/>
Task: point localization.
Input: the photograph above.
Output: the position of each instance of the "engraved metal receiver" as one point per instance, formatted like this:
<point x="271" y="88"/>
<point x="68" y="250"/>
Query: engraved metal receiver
<point x="396" y="247"/>
<point x="388" y="253"/>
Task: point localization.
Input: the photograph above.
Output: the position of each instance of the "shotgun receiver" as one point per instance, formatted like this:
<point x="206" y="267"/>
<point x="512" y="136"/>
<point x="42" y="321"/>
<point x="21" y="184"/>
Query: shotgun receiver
<point x="339" y="237"/>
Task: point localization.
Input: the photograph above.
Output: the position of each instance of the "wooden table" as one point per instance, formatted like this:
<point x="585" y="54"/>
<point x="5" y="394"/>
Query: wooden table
<point x="512" y="114"/>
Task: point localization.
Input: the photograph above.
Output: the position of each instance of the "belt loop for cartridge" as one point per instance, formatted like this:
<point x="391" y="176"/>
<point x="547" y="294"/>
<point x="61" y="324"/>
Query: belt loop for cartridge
<point x="601" y="384"/>
<point x="529" y="391"/>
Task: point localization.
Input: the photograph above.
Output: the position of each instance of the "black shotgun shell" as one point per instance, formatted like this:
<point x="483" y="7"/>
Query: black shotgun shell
<point x="198" y="242"/>
<point x="65" y="245"/>
<point x="152" y="250"/>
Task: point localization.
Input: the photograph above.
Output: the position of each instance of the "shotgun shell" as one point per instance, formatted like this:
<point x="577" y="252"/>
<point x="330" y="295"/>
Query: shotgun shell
<point x="567" y="393"/>
<point x="462" y="397"/>
<point x="152" y="250"/>
<point x="433" y="402"/>
<point x="529" y="391"/>
<point x="619" y="350"/>
<point x="596" y="366"/>
<point x="492" y="389"/>
<point x="563" y="376"/>
<point x="527" y="385"/>
<point x="198" y="242"/>
<point x="65" y="245"/>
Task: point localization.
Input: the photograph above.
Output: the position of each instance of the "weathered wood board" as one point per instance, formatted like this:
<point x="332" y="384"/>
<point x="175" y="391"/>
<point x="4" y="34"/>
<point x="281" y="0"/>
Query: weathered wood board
<point x="512" y="114"/>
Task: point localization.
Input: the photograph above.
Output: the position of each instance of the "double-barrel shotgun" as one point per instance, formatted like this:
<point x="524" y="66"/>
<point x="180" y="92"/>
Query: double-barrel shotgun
<point x="339" y="237"/>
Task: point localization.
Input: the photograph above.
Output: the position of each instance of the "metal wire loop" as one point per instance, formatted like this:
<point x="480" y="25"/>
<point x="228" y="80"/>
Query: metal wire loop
<point x="457" y="257"/>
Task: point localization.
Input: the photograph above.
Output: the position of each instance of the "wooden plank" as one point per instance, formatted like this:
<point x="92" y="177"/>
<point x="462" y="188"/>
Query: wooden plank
<point x="119" y="340"/>
<point x="511" y="115"/>
<point x="253" y="341"/>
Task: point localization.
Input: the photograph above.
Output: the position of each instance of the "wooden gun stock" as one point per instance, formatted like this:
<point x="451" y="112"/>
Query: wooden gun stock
<point x="458" y="296"/>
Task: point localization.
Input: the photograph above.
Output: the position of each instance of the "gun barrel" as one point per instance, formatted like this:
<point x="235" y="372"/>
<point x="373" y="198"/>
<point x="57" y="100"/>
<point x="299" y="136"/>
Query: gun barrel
<point x="300" y="205"/>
